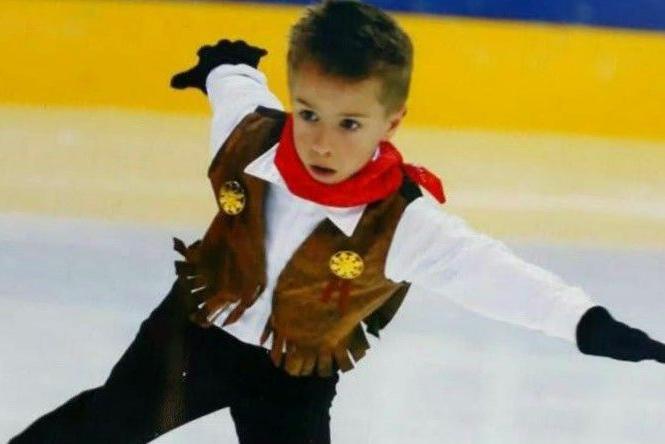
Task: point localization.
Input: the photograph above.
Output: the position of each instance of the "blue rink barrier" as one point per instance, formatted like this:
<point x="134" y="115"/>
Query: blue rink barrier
<point x="641" y="14"/>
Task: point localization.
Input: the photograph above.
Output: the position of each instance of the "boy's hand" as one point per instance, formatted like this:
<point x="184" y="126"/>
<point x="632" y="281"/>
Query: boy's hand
<point x="598" y="333"/>
<point x="210" y="57"/>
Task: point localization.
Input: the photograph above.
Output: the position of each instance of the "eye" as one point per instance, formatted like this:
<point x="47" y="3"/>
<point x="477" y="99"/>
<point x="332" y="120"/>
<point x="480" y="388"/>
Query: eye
<point x="307" y="115"/>
<point x="350" y="124"/>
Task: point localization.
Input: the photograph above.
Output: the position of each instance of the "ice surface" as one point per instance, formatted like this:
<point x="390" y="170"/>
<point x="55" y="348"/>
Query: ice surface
<point x="73" y="292"/>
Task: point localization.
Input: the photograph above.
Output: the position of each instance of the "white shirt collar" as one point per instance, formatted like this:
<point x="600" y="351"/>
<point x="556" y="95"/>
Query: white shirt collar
<point x="345" y="218"/>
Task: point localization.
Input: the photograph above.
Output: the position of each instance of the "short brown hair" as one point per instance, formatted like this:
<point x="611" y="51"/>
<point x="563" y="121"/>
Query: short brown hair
<point x="353" y="40"/>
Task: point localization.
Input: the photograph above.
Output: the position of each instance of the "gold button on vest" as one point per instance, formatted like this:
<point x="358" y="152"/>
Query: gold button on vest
<point x="231" y="198"/>
<point x="346" y="264"/>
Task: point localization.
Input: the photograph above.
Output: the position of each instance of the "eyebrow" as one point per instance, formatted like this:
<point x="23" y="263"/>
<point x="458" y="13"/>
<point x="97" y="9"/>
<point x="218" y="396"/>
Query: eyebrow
<point x="304" y="102"/>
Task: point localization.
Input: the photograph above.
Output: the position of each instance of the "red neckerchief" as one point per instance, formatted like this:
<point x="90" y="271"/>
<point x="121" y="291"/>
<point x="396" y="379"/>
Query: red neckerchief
<point x="377" y="180"/>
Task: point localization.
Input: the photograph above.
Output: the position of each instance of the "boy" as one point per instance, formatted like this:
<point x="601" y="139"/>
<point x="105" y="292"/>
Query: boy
<point x="320" y="231"/>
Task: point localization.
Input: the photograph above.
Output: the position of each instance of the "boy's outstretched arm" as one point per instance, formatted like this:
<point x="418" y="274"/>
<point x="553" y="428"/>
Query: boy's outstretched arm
<point x="483" y="275"/>
<point x="228" y="74"/>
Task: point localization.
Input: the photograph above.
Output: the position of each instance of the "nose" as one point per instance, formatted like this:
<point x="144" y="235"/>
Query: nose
<point x="320" y="144"/>
<point x="321" y="151"/>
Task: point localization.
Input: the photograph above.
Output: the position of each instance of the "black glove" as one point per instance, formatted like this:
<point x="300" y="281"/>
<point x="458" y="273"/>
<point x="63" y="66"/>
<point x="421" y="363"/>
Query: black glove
<point x="210" y="57"/>
<point x="600" y="334"/>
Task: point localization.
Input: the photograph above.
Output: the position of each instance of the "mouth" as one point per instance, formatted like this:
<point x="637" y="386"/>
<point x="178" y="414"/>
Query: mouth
<point x="322" y="171"/>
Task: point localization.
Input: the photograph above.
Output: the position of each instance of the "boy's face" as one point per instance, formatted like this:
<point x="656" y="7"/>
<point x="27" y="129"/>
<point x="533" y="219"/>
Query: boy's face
<point x="337" y="123"/>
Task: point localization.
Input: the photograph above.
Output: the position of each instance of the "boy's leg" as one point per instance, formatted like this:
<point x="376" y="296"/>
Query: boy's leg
<point x="164" y="379"/>
<point x="280" y="409"/>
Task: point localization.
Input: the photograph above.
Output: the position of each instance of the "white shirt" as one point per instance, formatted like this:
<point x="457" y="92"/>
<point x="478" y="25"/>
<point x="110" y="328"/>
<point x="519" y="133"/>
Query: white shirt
<point x="431" y="248"/>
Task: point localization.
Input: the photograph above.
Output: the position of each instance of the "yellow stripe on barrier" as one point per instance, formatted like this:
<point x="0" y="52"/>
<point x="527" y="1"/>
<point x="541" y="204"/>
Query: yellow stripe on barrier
<point x="468" y="74"/>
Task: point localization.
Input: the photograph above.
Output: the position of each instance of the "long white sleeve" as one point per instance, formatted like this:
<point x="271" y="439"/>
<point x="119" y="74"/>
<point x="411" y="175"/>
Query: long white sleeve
<point x="438" y="251"/>
<point x="234" y="91"/>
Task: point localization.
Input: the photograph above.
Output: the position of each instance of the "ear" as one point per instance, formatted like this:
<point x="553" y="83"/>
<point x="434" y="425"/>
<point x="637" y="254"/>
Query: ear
<point x="393" y="121"/>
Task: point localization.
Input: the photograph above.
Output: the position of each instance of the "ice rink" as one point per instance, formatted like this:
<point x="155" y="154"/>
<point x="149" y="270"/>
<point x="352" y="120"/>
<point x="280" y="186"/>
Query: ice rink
<point x="548" y="136"/>
<point x="91" y="199"/>
<point x="74" y="292"/>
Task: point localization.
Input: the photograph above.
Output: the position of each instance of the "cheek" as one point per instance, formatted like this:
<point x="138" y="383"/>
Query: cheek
<point x="361" y="150"/>
<point x="301" y="138"/>
<point x="350" y="154"/>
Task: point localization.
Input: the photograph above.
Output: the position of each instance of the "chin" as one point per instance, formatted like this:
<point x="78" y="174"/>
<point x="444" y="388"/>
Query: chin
<point x="327" y="180"/>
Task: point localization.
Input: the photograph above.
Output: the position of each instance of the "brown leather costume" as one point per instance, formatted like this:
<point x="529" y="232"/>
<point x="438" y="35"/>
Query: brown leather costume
<point x="314" y="321"/>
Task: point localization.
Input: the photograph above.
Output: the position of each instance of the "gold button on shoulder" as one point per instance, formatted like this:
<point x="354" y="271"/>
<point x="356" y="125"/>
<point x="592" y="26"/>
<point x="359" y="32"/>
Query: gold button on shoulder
<point x="231" y="197"/>
<point x="346" y="264"/>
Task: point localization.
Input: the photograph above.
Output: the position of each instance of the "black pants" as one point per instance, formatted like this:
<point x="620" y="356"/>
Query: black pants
<point x="174" y="372"/>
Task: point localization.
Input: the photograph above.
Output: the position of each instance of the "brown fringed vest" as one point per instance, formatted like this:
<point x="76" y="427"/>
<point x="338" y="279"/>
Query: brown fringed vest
<point x="331" y="286"/>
